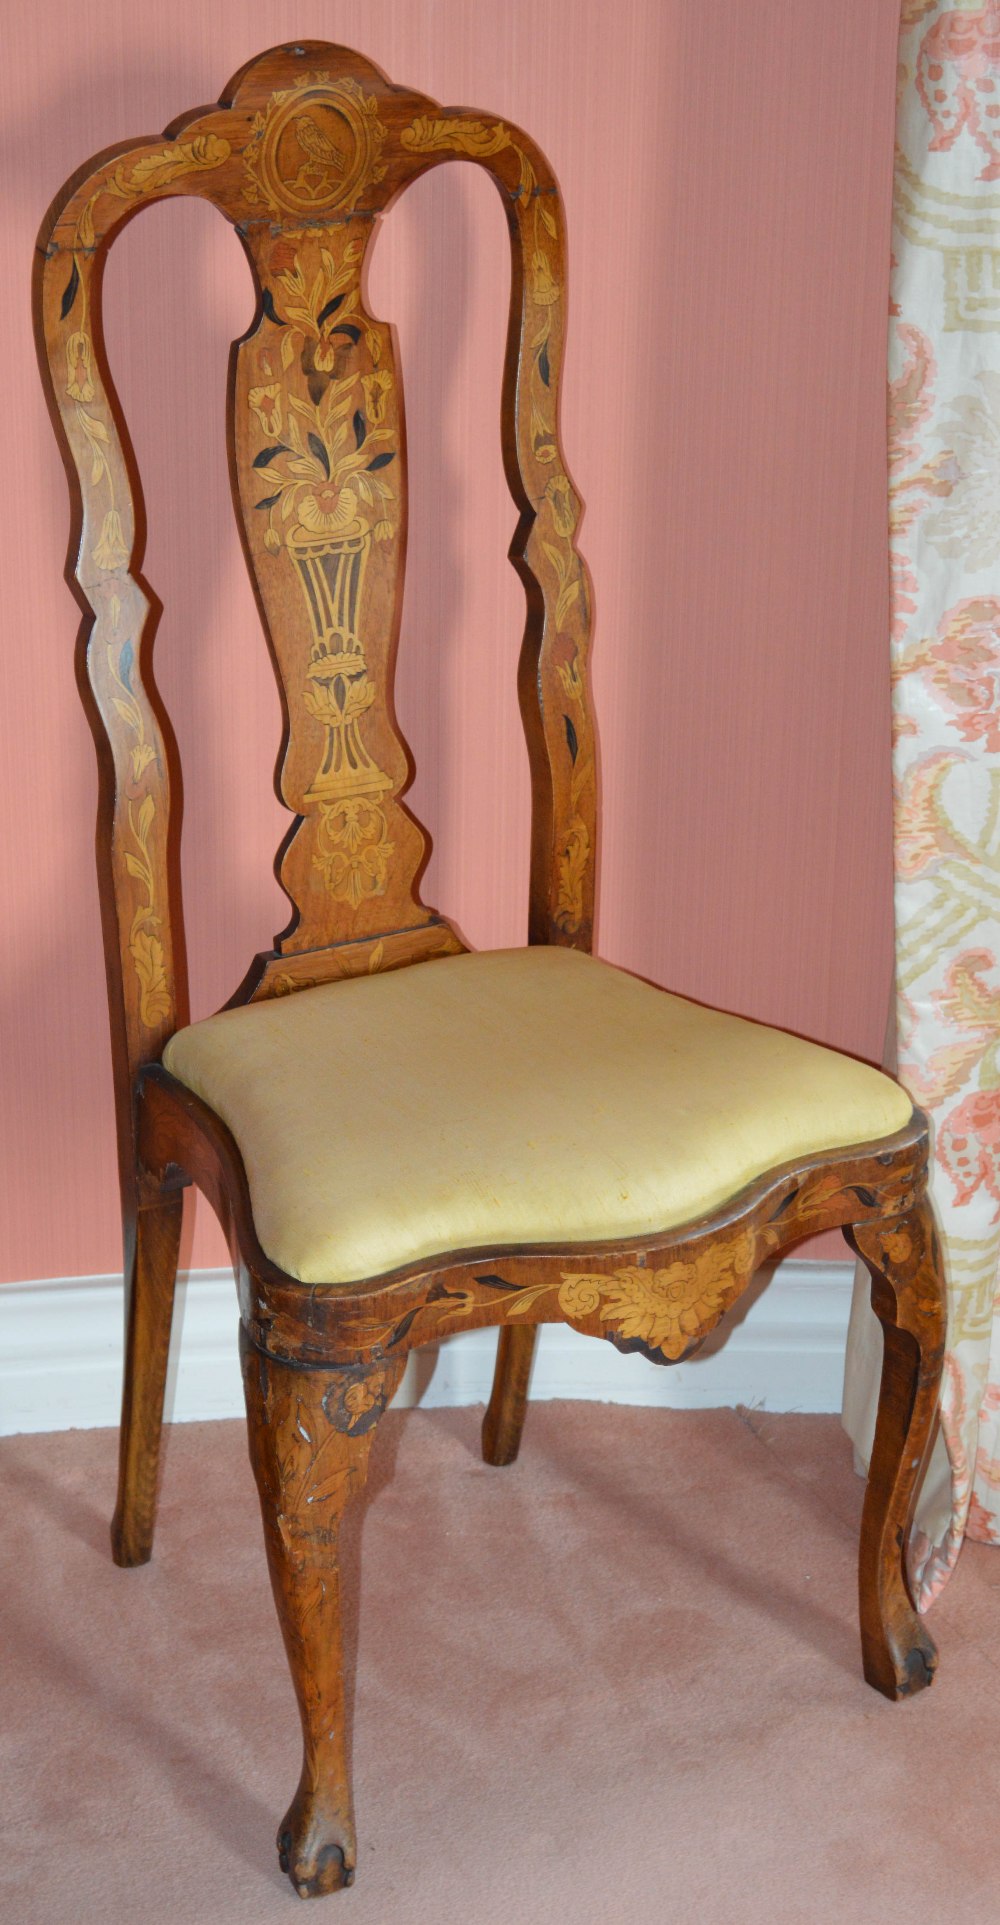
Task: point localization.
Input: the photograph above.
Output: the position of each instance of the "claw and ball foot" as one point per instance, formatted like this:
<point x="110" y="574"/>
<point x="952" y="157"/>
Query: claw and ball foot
<point x="903" y="1259"/>
<point x="310" y="1433"/>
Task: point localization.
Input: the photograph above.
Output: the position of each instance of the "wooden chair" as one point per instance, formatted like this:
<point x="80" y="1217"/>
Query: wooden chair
<point x="398" y="1151"/>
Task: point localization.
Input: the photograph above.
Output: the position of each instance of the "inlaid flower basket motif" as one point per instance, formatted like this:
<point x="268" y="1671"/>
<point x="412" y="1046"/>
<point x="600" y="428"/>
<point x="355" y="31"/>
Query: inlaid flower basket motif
<point x="321" y="465"/>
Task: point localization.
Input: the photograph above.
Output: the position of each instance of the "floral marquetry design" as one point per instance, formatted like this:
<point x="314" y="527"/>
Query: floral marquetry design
<point x="669" y="1309"/>
<point x="552" y="555"/>
<point x="324" y="445"/>
<point x="326" y="475"/>
<point x="149" y="173"/>
<point x="574" y="856"/>
<point x="353" y="849"/>
<point x="145" y="945"/>
<point x="480" y="141"/>
<point x="125" y="182"/>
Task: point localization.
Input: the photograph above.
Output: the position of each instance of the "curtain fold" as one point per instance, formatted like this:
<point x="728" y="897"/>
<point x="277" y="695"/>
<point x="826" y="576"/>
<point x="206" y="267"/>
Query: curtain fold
<point x="944" y="502"/>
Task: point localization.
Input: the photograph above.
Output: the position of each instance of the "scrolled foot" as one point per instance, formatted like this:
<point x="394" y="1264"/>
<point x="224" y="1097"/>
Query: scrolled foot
<point x="900" y="1667"/>
<point x="310" y="1432"/>
<point x="315" y="1849"/>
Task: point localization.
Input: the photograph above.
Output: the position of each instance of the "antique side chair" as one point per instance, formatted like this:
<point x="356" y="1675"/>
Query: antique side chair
<point x="399" y="1151"/>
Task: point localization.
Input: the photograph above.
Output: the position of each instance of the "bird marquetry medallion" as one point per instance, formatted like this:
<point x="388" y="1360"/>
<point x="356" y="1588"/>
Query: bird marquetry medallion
<point x="315" y="148"/>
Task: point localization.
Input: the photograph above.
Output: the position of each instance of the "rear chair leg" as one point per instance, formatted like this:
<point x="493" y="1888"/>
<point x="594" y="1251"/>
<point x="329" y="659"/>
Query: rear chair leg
<point x="149" y="1303"/>
<point x="504" y="1419"/>
<point x="310" y="1433"/>
<point x="908" y="1296"/>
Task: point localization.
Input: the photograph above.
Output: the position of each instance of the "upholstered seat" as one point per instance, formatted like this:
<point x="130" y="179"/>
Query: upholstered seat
<point x="519" y="1096"/>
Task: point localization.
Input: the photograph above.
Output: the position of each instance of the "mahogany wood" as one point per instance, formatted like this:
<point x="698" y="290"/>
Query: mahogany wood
<point x="307" y="148"/>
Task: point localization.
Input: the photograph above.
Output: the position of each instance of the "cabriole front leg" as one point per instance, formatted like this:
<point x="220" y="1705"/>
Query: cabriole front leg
<point x="903" y="1257"/>
<point x="310" y="1434"/>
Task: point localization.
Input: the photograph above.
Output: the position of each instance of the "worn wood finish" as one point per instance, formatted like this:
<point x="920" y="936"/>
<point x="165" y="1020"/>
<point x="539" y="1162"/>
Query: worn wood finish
<point x="310" y="1433"/>
<point x="306" y="150"/>
<point x="505" y="1412"/>
<point x="903" y="1258"/>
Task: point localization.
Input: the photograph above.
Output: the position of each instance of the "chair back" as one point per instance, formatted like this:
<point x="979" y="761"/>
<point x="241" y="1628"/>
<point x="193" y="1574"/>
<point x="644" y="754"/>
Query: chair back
<point x="307" y="148"/>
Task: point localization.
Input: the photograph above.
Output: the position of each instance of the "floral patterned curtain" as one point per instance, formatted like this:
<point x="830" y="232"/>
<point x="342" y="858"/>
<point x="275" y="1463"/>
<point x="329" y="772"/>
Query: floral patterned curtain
<point x="944" y="487"/>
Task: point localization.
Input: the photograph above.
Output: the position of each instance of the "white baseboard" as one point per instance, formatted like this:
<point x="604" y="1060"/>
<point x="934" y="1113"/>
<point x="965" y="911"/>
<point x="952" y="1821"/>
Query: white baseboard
<point x="61" y="1346"/>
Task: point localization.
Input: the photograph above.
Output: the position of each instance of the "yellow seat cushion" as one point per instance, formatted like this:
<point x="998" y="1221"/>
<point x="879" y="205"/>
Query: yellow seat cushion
<point x="511" y="1097"/>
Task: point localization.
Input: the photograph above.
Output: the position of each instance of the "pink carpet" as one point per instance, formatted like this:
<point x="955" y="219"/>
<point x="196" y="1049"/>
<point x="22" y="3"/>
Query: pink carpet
<point x="619" y="1681"/>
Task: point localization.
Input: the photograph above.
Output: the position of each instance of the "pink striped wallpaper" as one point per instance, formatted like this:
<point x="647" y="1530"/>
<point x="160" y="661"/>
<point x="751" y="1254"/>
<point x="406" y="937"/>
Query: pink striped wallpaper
<point x="727" y="173"/>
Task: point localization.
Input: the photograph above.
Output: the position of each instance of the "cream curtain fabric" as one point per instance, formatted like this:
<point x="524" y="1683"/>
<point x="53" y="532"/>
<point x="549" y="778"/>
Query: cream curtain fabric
<point x="944" y="456"/>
